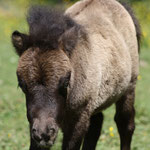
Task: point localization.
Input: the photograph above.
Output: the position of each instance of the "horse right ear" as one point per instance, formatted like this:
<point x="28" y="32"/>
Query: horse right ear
<point x="20" y="41"/>
<point x="70" y="38"/>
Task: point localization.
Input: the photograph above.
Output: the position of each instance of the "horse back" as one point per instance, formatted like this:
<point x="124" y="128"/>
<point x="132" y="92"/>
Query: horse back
<point x="111" y="56"/>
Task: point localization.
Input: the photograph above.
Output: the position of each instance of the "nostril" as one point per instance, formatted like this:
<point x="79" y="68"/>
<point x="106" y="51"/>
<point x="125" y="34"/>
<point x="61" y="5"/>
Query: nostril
<point x="51" y="131"/>
<point x="37" y="138"/>
<point x="33" y="130"/>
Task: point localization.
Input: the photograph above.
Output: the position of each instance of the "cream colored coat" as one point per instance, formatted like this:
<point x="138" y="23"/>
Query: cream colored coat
<point x="107" y="64"/>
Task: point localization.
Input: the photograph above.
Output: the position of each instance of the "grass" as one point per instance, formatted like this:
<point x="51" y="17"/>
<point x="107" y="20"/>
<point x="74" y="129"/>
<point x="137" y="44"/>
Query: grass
<point x="14" y="133"/>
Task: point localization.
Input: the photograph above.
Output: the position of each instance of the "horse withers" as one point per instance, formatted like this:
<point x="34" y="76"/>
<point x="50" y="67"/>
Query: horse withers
<point x="75" y="64"/>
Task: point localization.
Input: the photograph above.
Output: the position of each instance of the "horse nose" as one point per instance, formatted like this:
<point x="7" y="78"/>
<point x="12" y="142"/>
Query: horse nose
<point x="45" y="136"/>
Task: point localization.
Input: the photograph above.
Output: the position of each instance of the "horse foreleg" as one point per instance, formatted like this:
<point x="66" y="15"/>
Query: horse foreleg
<point x="125" y="118"/>
<point x="93" y="133"/>
<point x="74" y="131"/>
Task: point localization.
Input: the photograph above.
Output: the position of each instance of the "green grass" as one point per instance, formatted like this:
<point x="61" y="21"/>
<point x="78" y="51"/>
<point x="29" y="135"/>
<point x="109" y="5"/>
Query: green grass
<point x="14" y="132"/>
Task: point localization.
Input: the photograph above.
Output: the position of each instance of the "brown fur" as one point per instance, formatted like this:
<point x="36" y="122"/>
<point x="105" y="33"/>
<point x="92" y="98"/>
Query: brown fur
<point x="72" y="76"/>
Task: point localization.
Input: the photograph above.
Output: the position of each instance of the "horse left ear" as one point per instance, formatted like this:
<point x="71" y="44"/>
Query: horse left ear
<point x="20" y="41"/>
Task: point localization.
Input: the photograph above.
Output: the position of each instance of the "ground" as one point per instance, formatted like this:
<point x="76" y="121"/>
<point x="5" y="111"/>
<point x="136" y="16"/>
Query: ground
<point x="14" y="132"/>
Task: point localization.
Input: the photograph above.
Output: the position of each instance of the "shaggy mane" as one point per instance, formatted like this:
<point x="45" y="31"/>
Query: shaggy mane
<point x="135" y="20"/>
<point x="46" y="25"/>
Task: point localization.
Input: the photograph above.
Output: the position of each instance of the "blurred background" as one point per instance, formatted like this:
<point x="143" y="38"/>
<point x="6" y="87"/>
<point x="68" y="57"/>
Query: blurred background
<point x="14" y="133"/>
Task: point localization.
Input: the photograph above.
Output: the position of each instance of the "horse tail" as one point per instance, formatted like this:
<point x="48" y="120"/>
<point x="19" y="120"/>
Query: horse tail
<point x="136" y="23"/>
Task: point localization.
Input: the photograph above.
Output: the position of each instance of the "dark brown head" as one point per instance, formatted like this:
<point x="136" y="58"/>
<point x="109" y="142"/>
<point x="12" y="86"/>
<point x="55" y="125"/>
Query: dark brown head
<point x="44" y="70"/>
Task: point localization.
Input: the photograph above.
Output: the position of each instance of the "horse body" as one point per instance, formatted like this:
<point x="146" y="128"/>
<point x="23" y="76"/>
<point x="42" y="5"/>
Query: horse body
<point x="110" y="53"/>
<point x="73" y="67"/>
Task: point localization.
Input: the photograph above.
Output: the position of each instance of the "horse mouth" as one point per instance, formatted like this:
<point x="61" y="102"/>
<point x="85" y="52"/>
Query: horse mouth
<point x="44" y="144"/>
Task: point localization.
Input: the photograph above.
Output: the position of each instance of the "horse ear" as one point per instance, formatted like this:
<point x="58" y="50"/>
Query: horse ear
<point x="20" y="41"/>
<point x="70" y="38"/>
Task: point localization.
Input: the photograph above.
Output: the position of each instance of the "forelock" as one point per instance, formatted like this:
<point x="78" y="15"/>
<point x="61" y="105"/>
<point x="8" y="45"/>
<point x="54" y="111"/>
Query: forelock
<point x="46" y="25"/>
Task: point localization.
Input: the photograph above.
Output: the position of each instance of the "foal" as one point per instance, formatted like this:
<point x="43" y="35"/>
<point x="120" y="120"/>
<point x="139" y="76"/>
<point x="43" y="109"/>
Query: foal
<point x="72" y="66"/>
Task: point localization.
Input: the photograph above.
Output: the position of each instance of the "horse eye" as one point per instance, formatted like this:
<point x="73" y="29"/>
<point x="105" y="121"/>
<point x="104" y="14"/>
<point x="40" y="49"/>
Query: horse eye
<point x="63" y="84"/>
<point x="63" y="91"/>
<point x="22" y="84"/>
<point x="66" y="83"/>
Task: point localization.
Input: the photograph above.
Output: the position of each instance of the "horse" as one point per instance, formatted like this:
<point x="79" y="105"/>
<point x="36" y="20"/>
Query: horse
<point x="75" y="64"/>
